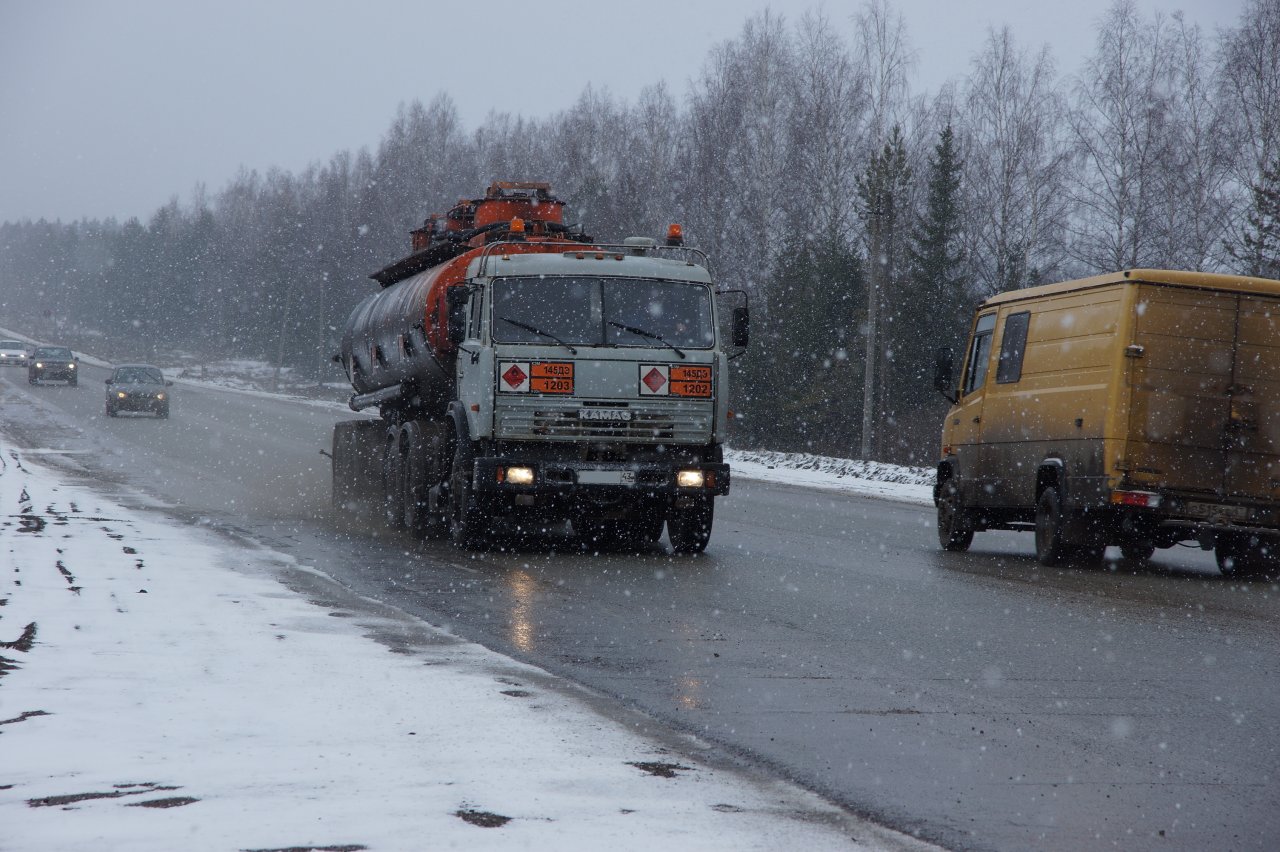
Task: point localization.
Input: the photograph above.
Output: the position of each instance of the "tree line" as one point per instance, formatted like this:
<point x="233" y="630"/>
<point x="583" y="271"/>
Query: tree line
<point x="865" y="220"/>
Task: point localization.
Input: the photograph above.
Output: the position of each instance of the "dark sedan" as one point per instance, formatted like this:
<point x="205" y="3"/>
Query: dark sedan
<point x="138" y="387"/>
<point x="56" y="363"/>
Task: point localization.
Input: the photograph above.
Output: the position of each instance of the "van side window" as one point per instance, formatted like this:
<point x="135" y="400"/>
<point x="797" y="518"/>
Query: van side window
<point x="975" y="373"/>
<point x="1013" y="345"/>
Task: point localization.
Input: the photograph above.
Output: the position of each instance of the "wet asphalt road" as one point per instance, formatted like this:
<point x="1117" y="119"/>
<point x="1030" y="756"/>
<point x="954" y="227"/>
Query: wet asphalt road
<point x="975" y="700"/>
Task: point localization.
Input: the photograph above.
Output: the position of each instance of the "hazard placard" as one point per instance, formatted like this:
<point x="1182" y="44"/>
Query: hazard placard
<point x="552" y="377"/>
<point x="690" y="380"/>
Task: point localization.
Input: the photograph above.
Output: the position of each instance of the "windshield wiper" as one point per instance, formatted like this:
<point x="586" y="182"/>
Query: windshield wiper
<point x="649" y="334"/>
<point x="539" y="332"/>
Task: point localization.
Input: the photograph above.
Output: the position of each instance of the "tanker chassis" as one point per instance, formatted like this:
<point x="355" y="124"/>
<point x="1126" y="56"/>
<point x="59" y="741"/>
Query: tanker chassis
<point x="526" y="375"/>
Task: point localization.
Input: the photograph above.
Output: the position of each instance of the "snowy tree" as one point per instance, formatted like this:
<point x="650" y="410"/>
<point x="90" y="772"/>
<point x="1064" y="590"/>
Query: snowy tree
<point x="1016" y="172"/>
<point x="1121" y="131"/>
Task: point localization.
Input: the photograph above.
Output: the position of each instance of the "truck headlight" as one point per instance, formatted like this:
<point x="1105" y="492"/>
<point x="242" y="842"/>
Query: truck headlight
<point x="689" y="479"/>
<point x="520" y="475"/>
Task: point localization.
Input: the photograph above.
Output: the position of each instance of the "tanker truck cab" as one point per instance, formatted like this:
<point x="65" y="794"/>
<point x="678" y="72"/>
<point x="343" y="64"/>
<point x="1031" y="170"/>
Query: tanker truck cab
<point x="1139" y="409"/>
<point x="592" y="387"/>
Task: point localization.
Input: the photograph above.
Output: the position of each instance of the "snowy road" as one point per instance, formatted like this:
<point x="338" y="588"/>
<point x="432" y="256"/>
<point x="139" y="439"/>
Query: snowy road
<point x="973" y="699"/>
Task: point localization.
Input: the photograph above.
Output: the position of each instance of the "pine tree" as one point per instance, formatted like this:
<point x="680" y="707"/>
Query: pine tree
<point x="936" y="302"/>
<point x="1258" y="248"/>
<point x="939" y="280"/>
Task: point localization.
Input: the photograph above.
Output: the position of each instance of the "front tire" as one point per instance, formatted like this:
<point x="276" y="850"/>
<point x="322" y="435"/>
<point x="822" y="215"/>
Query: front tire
<point x="955" y="531"/>
<point x="690" y="529"/>
<point x="468" y="521"/>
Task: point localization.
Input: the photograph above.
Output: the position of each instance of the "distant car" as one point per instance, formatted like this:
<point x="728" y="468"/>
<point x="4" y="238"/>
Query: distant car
<point x="53" y="362"/>
<point x="13" y="353"/>
<point x="138" y="387"/>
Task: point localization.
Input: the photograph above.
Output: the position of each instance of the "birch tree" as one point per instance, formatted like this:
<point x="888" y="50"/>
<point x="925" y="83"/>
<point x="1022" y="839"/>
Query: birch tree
<point x="1017" y="168"/>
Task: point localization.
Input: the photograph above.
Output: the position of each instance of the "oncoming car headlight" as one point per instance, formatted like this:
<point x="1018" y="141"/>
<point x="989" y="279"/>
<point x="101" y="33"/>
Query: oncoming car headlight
<point x="689" y="479"/>
<point x="39" y="365"/>
<point x="160" y="396"/>
<point x="121" y="394"/>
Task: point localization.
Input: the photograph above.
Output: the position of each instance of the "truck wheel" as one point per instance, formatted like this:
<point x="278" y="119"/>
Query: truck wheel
<point x="1246" y="556"/>
<point x="468" y="521"/>
<point x="393" y="487"/>
<point x="417" y="479"/>
<point x="1051" y="546"/>
<point x="955" y="531"/>
<point x="690" y="529"/>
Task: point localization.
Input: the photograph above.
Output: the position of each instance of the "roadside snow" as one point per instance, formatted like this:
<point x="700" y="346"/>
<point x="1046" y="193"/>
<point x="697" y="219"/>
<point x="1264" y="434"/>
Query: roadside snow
<point x="160" y="689"/>
<point x="868" y="479"/>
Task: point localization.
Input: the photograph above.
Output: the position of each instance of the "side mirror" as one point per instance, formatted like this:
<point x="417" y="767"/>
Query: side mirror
<point x="741" y="326"/>
<point x="944" y="373"/>
<point x="457" y="305"/>
<point x="108" y="381"/>
<point x="168" y="383"/>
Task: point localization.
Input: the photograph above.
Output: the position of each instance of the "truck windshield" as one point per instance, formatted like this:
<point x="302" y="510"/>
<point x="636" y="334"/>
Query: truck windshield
<point x="603" y="312"/>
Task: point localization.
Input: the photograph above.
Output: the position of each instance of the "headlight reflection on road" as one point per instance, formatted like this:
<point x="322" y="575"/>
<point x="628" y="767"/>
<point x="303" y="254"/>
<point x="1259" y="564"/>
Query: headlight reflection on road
<point x="689" y="693"/>
<point x="523" y="588"/>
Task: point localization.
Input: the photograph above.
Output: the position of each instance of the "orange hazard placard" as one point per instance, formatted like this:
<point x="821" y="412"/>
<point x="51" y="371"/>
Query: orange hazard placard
<point x="690" y="380"/>
<point x="551" y="377"/>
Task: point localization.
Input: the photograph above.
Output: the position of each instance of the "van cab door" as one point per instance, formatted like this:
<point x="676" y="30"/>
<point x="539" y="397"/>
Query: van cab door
<point x="965" y="426"/>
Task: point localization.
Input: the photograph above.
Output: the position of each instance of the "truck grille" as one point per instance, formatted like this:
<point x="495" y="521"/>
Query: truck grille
<point x="678" y="423"/>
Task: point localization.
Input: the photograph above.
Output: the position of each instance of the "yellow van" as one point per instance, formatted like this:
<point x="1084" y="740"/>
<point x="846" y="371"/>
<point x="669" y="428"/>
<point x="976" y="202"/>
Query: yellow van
<point x="1138" y="408"/>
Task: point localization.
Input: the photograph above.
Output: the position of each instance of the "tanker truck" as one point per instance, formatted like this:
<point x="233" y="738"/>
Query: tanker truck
<point x="525" y="375"/>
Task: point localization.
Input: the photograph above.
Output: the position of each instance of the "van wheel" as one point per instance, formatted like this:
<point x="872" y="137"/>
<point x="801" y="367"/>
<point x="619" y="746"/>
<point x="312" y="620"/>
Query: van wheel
<point x="1051" y="546"/>
<point x="955" y="530"/>
<point x="1246" y="556"/>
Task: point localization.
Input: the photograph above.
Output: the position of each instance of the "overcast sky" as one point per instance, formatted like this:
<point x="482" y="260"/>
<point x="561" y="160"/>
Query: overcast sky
<point x="111" y="107"/>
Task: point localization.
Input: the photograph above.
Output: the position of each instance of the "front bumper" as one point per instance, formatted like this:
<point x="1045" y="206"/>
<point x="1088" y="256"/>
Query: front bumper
<point x="53" y="374"/>
<point x="569" y="479"/>
<point x="138" y="403"/>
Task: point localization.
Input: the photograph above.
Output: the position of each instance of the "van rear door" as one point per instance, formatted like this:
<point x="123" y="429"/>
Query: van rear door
<point x="1204" y="381"/>
<point x="1253" y="427"/>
